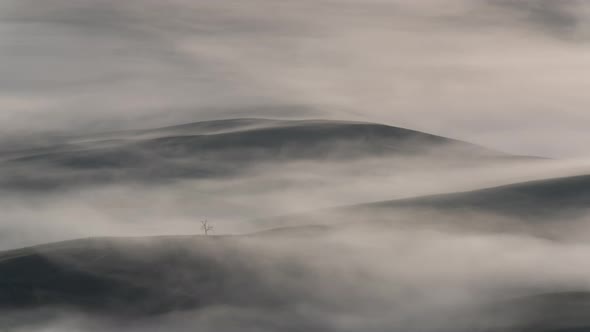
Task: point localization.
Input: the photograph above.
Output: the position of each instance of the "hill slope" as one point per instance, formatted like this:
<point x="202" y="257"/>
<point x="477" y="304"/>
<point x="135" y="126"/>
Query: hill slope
<point x="130" y="276"/>
<point x="147" y="277"/>
<point x="535" y="199"/>
<point x="544" y="207"/>
<point x="221" y="148"/>
<point x="272" y="271"/>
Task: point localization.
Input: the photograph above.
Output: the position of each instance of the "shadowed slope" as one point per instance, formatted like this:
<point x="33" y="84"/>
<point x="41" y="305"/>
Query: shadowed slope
<point x="544" y="208"/>
<point x="536" y="199"/>
<point x="148" y="276"/>
<point x="130" y="276"/>
<point x="143" y="277"/>
<point x="222" y="148"/>
<point x="554" y="312"/>
<point x="271" y="138"/>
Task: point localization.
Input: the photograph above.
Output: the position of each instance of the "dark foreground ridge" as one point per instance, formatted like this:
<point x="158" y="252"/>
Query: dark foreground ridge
<point x="128" y="276"/>
<point x="138" y="278"/>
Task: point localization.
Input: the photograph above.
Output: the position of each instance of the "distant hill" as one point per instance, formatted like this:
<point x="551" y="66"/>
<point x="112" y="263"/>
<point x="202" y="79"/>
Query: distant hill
<point x="536" y="207"/>
<point x="535" y="199"/>
<point x="222" y="148"/>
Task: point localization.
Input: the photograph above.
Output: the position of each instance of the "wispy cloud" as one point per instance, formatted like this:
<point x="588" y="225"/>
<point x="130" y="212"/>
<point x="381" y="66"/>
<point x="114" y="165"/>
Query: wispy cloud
<point x="502" y="73"/>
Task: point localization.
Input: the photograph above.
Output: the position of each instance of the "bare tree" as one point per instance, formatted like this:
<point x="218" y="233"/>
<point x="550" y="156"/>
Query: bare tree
<point x="206" y="227"/>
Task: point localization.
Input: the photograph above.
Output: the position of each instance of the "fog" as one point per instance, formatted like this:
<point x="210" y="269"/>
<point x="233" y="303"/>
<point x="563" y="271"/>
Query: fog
<point x="505" y="74"/>
<point x="410" y="269"/>
<point x="319" y="225"/>
<point x="241" y="203"/>
<point x="361" y="279"/>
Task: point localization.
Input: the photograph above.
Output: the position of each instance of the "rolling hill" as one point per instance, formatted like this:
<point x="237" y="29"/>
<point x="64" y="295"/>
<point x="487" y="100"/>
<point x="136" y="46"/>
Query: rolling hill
<point x="151" y="276"/>
<point x="271" y="271"/>
<point x="142" y="278"/>
<point x="542" y="199"/>
<point x="221" y="148"/>
<point x="535" y="206"/>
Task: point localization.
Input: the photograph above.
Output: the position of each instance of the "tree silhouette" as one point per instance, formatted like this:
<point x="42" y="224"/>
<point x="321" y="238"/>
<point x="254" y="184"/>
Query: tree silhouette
<point x="206" y="227"/>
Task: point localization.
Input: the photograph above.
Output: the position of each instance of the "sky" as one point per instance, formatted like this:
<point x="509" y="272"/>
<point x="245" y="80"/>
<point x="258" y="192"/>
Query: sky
<point x="508" y="74"/>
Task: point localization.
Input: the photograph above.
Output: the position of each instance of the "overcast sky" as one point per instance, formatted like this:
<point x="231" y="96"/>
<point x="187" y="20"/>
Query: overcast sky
<point x="510" y="74"/>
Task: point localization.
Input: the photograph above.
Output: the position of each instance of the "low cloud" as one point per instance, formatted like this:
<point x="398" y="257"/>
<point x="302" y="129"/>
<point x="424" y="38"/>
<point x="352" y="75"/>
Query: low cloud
<point x="505" y="74"/>
<point x="500" y="73"/>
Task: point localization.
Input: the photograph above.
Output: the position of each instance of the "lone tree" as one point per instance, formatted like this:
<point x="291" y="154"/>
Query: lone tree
<point x="206" y="227"/>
